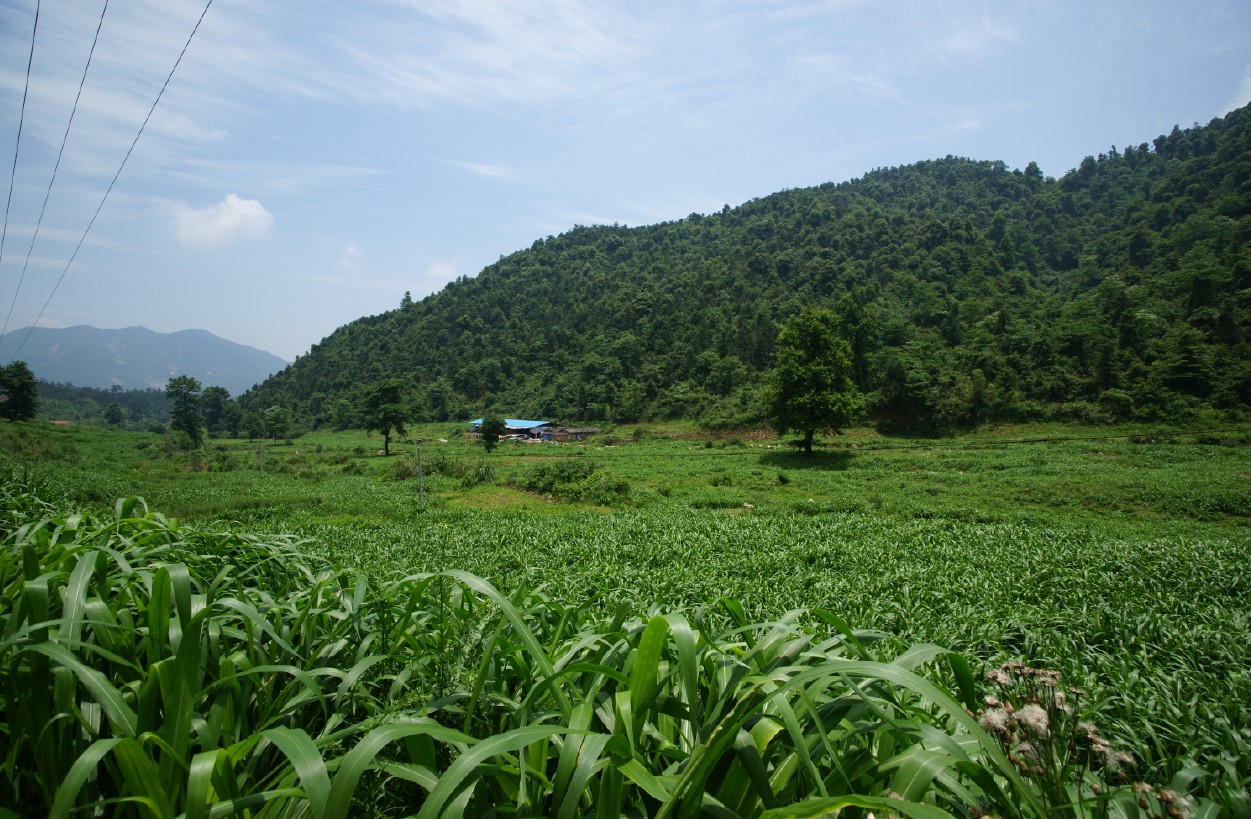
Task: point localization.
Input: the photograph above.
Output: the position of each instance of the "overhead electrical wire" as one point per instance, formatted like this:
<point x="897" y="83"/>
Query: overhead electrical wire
<point x="64" y="139"/>
<point x="17" y="148"/>
<point x="120" y="167"/>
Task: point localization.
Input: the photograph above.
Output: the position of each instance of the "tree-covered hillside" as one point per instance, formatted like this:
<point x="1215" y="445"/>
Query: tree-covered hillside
<point x="968" y="291"/>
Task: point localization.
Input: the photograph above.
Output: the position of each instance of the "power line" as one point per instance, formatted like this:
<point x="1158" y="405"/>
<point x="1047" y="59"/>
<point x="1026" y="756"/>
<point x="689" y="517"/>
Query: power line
<point x="30" y="61"/>
<point x="125" y="159"/>
<point x="55" y="168"/>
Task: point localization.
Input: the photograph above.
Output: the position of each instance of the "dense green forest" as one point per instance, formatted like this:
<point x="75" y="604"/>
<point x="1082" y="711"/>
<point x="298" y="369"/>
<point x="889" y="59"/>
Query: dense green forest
<point x="125" y="409"/>
<point x="968" y="292"/>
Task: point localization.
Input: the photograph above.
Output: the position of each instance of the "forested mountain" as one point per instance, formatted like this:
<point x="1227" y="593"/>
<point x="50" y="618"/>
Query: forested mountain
<point x="968" y="291"/>
<point x="136" y="358"/>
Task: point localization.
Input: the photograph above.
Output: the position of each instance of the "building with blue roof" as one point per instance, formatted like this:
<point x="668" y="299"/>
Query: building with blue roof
<point x="515" y="426"/>
<point x="511" y="424"/>
<point x="539" y="430"/>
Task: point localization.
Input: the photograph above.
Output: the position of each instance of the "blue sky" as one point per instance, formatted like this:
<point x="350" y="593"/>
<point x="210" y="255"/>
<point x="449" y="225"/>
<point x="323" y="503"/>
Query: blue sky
<point x="311" y="160"/>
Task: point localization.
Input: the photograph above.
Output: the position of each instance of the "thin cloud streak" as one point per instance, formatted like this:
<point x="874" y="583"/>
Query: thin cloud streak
<point x="484" y="53"/>
<point x="483" y="169"/>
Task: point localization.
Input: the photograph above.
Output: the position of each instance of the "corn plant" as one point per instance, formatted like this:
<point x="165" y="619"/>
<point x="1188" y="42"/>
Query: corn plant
<point x="154" y="669"/>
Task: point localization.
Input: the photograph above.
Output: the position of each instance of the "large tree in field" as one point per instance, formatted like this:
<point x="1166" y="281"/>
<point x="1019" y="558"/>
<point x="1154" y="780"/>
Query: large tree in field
<point x="19" y="392"/>
<point x="810" y="387"/>
<point x="383" y="409"/>
<point x="187" y="414"/>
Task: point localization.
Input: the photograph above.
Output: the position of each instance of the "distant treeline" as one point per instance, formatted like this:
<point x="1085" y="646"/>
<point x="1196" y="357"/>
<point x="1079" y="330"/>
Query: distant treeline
<point x="125" y="409"/>
<point x="968" y="291"/>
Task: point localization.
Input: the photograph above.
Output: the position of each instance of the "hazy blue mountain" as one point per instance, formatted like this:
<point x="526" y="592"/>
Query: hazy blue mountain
<point x="138" y="358"/>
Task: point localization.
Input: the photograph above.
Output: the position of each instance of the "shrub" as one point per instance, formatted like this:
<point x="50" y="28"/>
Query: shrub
<point x="404" y="469"/>
<point x="600" y="489"/>
<point x="353" y="468"/>
<point x="548" y="478"/>
<point x="1116" y="405"/>
<point x="482" y="472"/>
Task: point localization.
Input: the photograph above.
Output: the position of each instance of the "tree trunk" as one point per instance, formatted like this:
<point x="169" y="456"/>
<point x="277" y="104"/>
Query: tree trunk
<point x="808" y="441"/>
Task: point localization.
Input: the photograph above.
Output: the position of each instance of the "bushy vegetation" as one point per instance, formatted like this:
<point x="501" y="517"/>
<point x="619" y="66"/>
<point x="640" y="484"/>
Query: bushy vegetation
<point x="967" y="292"/>
<point x="576" y="480"/>
<point x="19" y="395"/>
<point x="159" y="669"/>
<point x="344" y="652"/>
<point x="136" y="409"/>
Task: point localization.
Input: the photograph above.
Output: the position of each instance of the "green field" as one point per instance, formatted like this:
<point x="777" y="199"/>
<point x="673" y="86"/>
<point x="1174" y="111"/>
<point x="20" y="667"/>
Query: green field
<point x="638" y="590"/>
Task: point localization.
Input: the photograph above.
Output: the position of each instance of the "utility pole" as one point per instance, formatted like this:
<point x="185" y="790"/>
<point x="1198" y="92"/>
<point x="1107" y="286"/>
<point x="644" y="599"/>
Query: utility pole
<point x="421" y="485"/>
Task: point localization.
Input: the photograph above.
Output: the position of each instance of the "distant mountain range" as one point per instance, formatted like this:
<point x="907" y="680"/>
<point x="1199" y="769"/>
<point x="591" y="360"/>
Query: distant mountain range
<point x="138" y="358"/>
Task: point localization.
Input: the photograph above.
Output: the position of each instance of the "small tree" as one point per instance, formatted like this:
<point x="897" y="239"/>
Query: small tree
<point x="342" y="415"/>
<point x="383" y="410"/>
<point x="277" y="421"/>
<point x="491" y="430"/>
<point x="114" y="415"/>
<point x="253" y="422"/>
<point x="19" y="392"/>
<point x="810" y="388"/>
<point x="232" y="422"/>
<point x="215" y="401"/>
<point x="187" y="414"/>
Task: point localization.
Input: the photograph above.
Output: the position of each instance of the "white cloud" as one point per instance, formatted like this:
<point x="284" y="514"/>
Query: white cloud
<point x="351" y="258"/>
<point x="232" y="219"/>
<point x="482" y="169"/>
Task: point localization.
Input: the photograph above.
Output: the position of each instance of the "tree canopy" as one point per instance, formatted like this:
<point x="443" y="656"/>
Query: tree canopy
<point x="810" y="388"/>
<point x="186" y="414"/>
<point x="491" y="430"/>
<point x="383" y="410"/>
<point x="19" y="392"/>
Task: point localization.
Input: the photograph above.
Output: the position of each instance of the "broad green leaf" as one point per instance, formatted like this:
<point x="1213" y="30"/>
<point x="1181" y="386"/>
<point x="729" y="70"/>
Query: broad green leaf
<point x="833" y="806"/>
<point x="309" y="766"/>
<point x="466" y="767"/>
<point x="83" y="769"/>
<point x="361" y="757"/>
<point x="643" y="674"/>
<point x="122" y="719"/>
<point x="915" y="769"/>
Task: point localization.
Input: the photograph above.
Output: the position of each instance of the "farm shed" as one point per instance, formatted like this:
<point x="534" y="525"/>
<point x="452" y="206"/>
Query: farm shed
<point x="515" y="426"/>
<point x="554" y="433"/>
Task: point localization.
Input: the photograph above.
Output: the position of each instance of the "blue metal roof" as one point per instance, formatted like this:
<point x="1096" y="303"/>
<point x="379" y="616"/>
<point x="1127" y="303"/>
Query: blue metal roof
<point x="515" y="423"/>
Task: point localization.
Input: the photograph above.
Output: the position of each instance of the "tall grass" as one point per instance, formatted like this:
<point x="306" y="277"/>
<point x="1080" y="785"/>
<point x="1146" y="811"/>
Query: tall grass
<point x="154" y="669"/>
